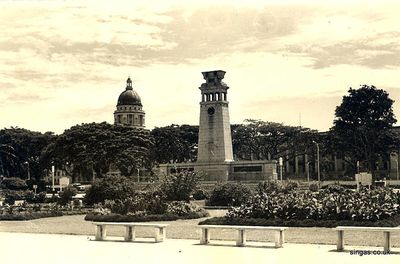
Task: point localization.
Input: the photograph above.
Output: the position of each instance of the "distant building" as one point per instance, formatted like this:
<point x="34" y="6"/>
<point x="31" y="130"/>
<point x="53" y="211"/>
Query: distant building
<point x="334" y="166"/>
<point x="61" y="179"/>
<point x="129" y="110"/>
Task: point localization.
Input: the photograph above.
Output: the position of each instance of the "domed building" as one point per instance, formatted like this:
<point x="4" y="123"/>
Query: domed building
<point x="129" y="108"/>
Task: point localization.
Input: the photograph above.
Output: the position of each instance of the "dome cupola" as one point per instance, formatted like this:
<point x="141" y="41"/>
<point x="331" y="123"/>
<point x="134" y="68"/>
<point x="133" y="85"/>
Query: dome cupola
<point x="129" y="96"/>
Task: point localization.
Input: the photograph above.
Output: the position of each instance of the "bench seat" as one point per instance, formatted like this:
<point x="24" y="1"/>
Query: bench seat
<point x="241" y="240"/>
<point x="159" y="230"/>
<point x="386" y="234"/>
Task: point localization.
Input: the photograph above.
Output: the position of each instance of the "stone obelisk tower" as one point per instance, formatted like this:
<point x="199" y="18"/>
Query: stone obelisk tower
<point x="215" y="154"/>
<point x="215" y="140"/>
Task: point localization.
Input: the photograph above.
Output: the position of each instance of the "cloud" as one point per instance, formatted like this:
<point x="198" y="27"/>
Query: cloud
<point x="91" y="114"/>
<point x="312" y="112"/>
<point x="356" y="36"/>
<point x="79" y="56"/>
<point x="6" y="85"/>
<point x="26" y="98"/>
<point x="366" y="52"/>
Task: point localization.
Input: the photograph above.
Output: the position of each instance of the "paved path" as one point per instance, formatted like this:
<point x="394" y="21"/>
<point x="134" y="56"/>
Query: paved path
<point x="18" y="248"/>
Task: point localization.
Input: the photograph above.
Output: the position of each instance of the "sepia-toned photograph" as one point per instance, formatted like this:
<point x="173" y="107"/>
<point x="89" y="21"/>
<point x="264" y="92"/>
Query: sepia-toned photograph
<point x="168" y="131"/>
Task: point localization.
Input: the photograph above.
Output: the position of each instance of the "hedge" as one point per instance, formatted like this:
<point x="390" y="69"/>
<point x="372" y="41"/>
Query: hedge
<point x="143" y="218"/>
<point x="389" y="222"/>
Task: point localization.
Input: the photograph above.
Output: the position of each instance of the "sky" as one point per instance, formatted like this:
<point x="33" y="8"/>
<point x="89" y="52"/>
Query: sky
<point x="64" y="63"/>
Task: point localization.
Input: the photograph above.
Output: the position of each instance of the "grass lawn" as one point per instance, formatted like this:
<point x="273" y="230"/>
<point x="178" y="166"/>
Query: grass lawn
<point x="187" y="229"/>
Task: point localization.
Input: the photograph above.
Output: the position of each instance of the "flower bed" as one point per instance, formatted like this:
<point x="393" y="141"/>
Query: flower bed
<point x="144" y="208"/>
<point x="29" y="216"/>
<point x="328" y="204"/>
<point x="329" y="207"/>
<point x="389" y="222"/>
<point x="36" y="211"/>
<point x="143" y="218"/>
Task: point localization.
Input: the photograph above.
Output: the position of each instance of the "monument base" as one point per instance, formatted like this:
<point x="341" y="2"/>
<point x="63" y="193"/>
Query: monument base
<point x="257" y="170"/>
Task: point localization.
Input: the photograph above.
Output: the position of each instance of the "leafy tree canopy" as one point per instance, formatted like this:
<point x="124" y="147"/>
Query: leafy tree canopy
<point x="175" y="143"/>
<point x="256" y="139"/>
<point x="362" y="125"/>
<point x="99" y="146"/>
<point x="20" y="150"/>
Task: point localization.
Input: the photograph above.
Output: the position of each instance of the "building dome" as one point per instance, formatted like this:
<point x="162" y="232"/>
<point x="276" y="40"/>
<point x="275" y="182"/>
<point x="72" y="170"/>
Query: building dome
<point x="129" y="96"/>
<point x="129" y="110"/>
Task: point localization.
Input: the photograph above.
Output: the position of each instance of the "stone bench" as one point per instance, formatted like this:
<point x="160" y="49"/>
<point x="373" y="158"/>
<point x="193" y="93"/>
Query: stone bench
<point x="386" y="234"/>
<point x="241" y="240"/>
<point x="159" y="230"/>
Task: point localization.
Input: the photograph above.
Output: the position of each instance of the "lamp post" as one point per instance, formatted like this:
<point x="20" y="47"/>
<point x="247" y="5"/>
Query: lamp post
<point x="308" y="171"/>
<point x="318" y="171"/>
<point x="280" y="167"/>
<point x="29" y="171"/>
<point x="138" y="176"/>
<point x="52" y="177"/>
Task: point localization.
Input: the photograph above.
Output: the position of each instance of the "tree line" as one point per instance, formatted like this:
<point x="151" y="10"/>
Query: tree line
<point x="362" y="133"/>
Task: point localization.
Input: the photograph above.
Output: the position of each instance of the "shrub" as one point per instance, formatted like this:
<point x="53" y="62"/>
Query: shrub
<point x="12" y="195"/>
<point x="139" y="203"/>
<point x="179" y="186"/>
<point x="334" y="188"/>
<point x="200" y="194"/>
<point x="289" y="186"/>
<point x="390" y="222"/>
<point x="145" y="218"/>
<point x="14" y="184"/>
<point x="52" y="199"/>
<point x="268" y="187"/>
<point x="40" y="197"/>
<point x="66" y="195"/>
<point x="313" y="187"/>
<point x="28" y="216"/>
<point x="276" y="187"/>
<point x="109" y="188"/>
<point x="229" y="194"/>
<point x="181" y="208"/>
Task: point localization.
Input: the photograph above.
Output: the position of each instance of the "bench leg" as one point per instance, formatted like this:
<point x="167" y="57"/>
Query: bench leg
<point x="241" y="241"/>
<point x="101" y="232"/>
<point x="279" y="238"/>
<point x="205" y="236"/>
<point x="386" y="246"/>
<point x="159" y="234"/>
<point x="340" y="240"/>
<point x="130" y="233"/>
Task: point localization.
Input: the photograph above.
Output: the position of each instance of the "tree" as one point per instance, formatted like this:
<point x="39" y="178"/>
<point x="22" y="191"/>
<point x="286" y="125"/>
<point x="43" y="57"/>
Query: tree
<point x="13" y="184"/>
<point x="175" y="143"/>
<point x="7" y="159"/>
<point x="20" y="151"/>
<point x="362" y="125"/>
<point x="96" y="147"/>
<point x="256" y="139"/>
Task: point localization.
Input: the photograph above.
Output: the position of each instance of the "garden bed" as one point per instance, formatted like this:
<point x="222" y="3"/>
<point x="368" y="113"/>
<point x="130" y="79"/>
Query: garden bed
<point x="389" y="222"/>
<point x="144" y="218"/>
<point x="29" y="216"/>
<point x="25" y="216"/>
